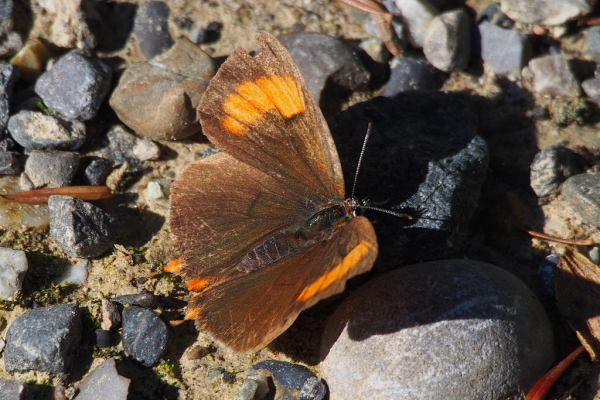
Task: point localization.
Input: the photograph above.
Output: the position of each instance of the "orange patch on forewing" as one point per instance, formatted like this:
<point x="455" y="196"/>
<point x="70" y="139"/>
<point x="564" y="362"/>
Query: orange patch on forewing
<point x="174" y="266"/>
<point x="254" y="98"/>
<point x="197" y="284"/>
<point x="192" y="313"/>
<point x="341" y="270"/>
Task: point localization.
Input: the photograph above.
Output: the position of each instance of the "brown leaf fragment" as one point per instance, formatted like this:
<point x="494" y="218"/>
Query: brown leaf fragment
<point x="577" y="285"/>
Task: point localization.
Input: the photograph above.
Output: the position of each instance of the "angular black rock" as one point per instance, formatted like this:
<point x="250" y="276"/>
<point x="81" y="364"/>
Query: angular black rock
<point x="145" y="335"/>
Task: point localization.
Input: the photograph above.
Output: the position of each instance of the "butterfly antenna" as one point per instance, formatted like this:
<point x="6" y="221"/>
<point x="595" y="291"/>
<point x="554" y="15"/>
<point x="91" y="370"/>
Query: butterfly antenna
<point x="362" y="152"/>
<point x="383" y="210"/>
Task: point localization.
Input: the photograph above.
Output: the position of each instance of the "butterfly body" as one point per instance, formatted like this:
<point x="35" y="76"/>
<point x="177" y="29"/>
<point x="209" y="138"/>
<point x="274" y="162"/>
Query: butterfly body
<point x="262" y="227"/>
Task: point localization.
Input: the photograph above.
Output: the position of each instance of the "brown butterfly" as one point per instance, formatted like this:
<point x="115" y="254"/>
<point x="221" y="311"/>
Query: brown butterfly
<point x="262" y="227"/>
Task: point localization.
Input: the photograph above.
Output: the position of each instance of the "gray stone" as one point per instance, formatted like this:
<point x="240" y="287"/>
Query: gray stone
<point x="504" y="50"/>
<point x="416" y="16"/>
<point x="35" y="130"/>
<point x="591" y="87"/>
<point x="9" y="74"/>
<point x="582" y="192"/>
<point x="145" y="335"/>
<point x="10" y="43"/>
<point x="473" y="327"/>
<point x="145" y="300"/>
<point x="111" y="315"/>
<point x="81" y="228"/>
<point x="76" y="23"/>
<point x="75" y="86"/>
<point x="51" y="168"/>
<point x="9" y="163"/>
<point x="44" y="339"/>
<point x="592" y="42"/>
<point x="412" y="73"/>
<point x="290" y="376"/>
<point x="435" y="162"/>
<point x="545" y="12"/>
<point x="102" y="338"/>
<point x="248" y="390"/>
<point x="6" y="15"/>
<point x="447" y="44"/>
<point x="12" y="390"/>
<point x="551" y="167"/>
<point x="13" y="266"/>
<point x="552" y="75"/>
<point x="492" y="14"/>
<point x="546" y="272"/>
<point x="103" y="382"/>
<point x="321" y="57"/>
<point x="151" y="27"/>
<point x="97" y="171"/>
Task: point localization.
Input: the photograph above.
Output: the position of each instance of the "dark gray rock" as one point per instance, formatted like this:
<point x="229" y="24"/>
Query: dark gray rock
<point x="111" y="315"/>
<point x="102" y="338"/>
<point x="321" y="58"/>
<point x="81" y="228"/>
<point x="592" y="42"/>
<point x="494" y="15"/>
<point x="9" y="74"/>
<point x="293" y="377"/>
<point x="434" y="165"/>
<point x="6" y="15"/>
<point x="504" y="50"/>
<point x="104" y="382"/>
<point x="97" y="171"/>
<point x="145" y="335"/>
<point x="35" y="130"/>
<point x="151" y="28"/>
<point x="248" y="390"/>
<point x="552" y="75"/>
<point x="591" y="87"/>
<point x="12" y="390"/>
<point x="551" y="167"/>
<point x="51" y="168"/>
<point x="10" y="44"/>
<point x="475" y="327"/>
<point x="546" y="272"/>
<point x="209" y="151"/>
<point x="416" y="16"/>
<point x="448" y="42"/>
<point x="119" y="146"/>
<point x="75" y="86"/>
<point x="410" y="73"/>
<point x="9" y="163"/>
<point x="582" y="192"/>
<point x="44" y="339"/>
<point x="145" y="300"/>
<point x="545" y="12"/>
<point x="210" y="34"/>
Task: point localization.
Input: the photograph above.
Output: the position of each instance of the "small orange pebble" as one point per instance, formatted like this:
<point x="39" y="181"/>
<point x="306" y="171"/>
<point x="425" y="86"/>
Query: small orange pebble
<point x="40" y="196"/>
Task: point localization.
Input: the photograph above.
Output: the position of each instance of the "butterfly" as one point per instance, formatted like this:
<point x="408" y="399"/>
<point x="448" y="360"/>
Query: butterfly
<point x="263" y="228"/>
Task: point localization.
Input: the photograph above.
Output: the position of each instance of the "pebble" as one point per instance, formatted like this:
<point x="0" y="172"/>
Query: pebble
<point x="76" y="24"/>
<point x="594" y="255"/>
<point x="492" y="14"/>
<point x="421" y="152"/>
<point x="210" y="34"/>
<point x="145" y="335"/>
<point x="545" y="12"/>
<point x="145" y="300"/>
<point x="591" y="87"/>
<point x="416" y="16"/>
<point x="75" y="86"/>
<point x="13" y="266"/>
<point x="410" y="73"/>
<point x="158" y="100"/>
<point x="154" y="190"/>
<point x="31" y="60"/>
<point x="504" y="50"/>
<point x="551" y="167"/>
<point x="119" y="145"/>
<point x="545" y="276"/>
<point x="447" y="44"/>
<point x="9" y="74"/>
<point x="12" y="390"/>
<point x="9" y="163"/>
<point x="553" y="76"/>
<point x="582" y="192"/>
<point x="248" y="390"/>
<point x="10" y="43"/>
<point x="151" y="28"/>
<point x="81" y="228"/>
<point x="35" y="130"/>
<point x="111" y="315"/>
<point x="293" y="377"/>
<point x="97" y="171"/>
<point x="209" y="151"/>
<point x="592" y="42"/>
<point x="102" y="381"/>
<point x="321" y="58"/>
<point x="75" y="274"/>
<point x="474" y="327"/>
<point x="44" y="339"/>
<point x="102" y="338"/>
<point x="51" y="168"/>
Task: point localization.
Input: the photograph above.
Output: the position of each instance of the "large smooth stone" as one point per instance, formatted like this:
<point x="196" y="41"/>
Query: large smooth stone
<point x="451" y="329"/>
